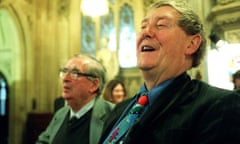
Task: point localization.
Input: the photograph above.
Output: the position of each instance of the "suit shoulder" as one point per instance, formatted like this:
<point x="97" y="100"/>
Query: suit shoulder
<point x="104" y="104"/>
<point x="62" y="111"/>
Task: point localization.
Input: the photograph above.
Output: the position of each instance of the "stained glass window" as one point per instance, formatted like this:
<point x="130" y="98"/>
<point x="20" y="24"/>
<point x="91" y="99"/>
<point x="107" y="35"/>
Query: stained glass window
<point x="88" y="36"/>
<point x="3" y="97"/>
<point x="127" y="38"/>
<point x="108" y="31"/>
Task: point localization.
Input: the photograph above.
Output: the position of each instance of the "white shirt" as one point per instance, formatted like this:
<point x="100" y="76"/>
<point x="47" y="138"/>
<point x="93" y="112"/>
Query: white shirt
<point x="83" y="110"/>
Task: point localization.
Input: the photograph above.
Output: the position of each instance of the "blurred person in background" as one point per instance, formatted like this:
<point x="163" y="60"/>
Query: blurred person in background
<point x="236" y="80"/>
<point x="115" y="91"/>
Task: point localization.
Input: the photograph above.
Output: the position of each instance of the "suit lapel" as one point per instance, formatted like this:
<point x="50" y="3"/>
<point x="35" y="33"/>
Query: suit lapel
<point x="58" y="120"/>
<point x="165" y="102"/>
<point x="97" y="121"/>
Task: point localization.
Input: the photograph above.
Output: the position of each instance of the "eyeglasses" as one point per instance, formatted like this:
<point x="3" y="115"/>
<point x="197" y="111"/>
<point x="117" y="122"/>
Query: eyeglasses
<point x="74" y="73"/>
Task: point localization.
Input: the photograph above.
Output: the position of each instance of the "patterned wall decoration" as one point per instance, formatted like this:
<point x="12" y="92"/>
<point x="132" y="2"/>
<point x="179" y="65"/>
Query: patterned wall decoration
<point x="127" y="38"/>
<point x="233" y="36"/>
<point x="108" y="31"/>
<point x="88" y="36"/>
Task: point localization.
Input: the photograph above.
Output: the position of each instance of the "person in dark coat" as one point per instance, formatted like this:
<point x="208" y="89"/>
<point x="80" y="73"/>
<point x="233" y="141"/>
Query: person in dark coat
<point x="179" y="110"/>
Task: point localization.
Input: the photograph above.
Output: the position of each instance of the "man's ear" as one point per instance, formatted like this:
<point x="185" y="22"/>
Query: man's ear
<point x="194" y="44"/>
<point x="95" y="85"/>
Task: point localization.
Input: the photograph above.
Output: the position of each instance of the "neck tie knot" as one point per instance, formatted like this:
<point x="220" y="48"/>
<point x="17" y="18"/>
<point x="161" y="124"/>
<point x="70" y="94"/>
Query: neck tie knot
<point x="143" y="100"/>
<point x="139" y="106"/>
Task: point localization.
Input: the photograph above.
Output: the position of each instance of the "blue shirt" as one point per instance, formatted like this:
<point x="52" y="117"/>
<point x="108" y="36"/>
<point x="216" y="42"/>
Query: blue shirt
<point x="154" y="93"/>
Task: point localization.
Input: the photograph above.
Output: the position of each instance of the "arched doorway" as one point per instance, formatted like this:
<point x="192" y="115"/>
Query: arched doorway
<point x="12" y="68"/>
<point x="4" y="113"/>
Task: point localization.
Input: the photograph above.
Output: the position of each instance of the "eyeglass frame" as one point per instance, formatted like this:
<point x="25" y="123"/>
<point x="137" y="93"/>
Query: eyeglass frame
<point x="74" y="73"/>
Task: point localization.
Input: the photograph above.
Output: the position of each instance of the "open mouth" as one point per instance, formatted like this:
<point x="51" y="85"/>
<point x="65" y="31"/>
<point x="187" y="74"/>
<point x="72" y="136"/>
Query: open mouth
<point x="147" y="49"/>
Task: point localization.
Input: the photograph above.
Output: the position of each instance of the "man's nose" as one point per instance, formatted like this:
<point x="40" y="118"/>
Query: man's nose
<point x="148" y="31"/>
<point x="66" y="77"/>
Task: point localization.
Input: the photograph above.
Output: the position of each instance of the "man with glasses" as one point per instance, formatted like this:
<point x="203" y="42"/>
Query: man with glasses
<point x="81" y="121"/>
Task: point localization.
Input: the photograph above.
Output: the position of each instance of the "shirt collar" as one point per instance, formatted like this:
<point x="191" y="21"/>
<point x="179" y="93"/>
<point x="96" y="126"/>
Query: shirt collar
<point x="154" y="93"/>
<point x="83" y="110"/>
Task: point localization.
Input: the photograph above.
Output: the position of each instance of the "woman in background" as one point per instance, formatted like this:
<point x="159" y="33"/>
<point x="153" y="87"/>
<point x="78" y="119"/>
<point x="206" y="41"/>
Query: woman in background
<point x="115" y="91"/>
<point x="236" y="80"/>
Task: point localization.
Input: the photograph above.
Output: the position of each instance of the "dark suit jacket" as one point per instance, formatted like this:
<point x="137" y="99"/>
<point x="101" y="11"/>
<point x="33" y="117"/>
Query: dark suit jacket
<point x="100" y="110"/>
<point x="187" y="112"/>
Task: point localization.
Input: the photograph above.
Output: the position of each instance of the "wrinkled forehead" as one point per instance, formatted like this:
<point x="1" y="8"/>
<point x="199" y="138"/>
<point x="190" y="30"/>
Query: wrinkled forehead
<point x="162" y="13"/>
<point x="178" y="6"/>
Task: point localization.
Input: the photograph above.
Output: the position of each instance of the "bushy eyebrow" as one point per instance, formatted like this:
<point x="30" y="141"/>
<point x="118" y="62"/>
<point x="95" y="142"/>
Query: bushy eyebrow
<point x="75" y="69"/>
<point x="145" y="20"/>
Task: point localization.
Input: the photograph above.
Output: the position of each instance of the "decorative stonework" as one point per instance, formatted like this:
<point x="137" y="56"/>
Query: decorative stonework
<point x="227" y="21"/>
<point x="63" y="7"/>
<point x="223" y="2"/>
<point x="226" y="16"/>
<point x="233" y="36"/>
<point x="148" y="2"/>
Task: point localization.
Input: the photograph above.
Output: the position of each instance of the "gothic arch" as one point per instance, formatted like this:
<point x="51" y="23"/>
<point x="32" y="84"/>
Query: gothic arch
<point x="12" y="65"/>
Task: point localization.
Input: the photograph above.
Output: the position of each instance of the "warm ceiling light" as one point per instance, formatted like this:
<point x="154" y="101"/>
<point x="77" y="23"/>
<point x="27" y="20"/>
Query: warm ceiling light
<point x="94" y="8"/>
